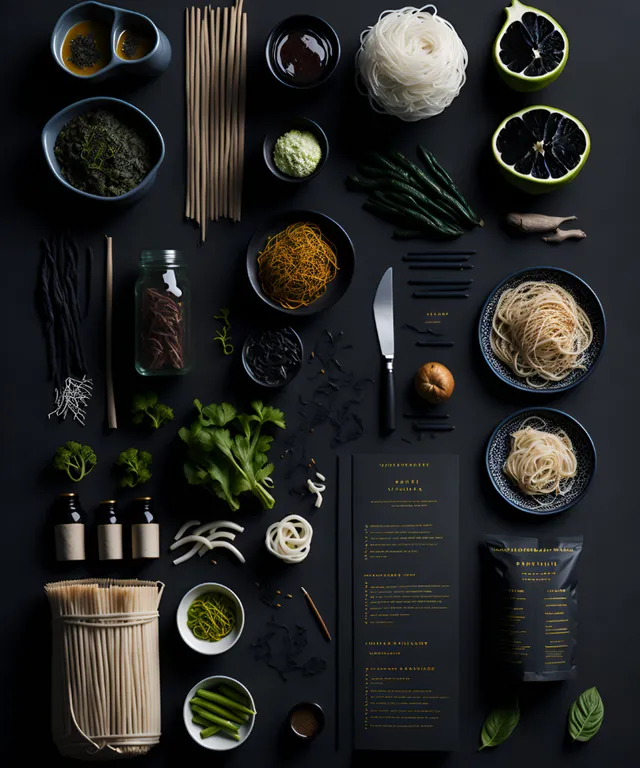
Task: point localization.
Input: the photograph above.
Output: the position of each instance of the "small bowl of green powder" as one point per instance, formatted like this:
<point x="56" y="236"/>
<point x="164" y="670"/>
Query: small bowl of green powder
<point x="210" y="618"/>
<point x="296" y="150"/>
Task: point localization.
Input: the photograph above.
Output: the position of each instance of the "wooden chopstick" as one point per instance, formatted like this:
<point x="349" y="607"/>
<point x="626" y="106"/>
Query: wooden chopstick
<point x="316" y="613"/>
<point x="112" y="421"/>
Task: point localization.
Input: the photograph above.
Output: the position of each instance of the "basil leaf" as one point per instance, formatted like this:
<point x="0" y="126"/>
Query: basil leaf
<point x="586" y="715"/>
<point x="498" y="726"/>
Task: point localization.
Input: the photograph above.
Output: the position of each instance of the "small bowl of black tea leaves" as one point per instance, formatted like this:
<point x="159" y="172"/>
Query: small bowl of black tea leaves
<point x="272" y="358"/>
<point x="103" y="149"/>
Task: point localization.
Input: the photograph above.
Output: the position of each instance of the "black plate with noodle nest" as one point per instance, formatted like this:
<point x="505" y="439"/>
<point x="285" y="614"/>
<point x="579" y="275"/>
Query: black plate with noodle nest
<point x="551" y="421"/>
<point x="331" y="231"/>
<point x="589" y="307"/>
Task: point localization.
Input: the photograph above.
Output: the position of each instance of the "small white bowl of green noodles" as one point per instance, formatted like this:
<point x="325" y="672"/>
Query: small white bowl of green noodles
<point x="210" y="618"/>
<point x="219" y="713"/>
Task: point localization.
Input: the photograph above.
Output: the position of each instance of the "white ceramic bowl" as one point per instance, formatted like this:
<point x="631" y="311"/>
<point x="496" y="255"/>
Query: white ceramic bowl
<point x="204" y="646"/>
<point x="217" y="742"/>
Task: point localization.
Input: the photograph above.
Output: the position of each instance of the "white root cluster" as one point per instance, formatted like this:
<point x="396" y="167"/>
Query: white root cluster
<point x="411" y="63"/>
<point x="205" y="537"/>
<point x="290" y="539"/>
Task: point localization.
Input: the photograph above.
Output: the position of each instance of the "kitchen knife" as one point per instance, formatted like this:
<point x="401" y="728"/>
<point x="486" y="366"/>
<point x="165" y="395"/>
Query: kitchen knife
<point x="383" y="315"/>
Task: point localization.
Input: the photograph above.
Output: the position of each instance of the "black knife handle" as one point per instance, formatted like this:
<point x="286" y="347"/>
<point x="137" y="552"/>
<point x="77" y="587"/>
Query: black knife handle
<point x="389" y="402"/>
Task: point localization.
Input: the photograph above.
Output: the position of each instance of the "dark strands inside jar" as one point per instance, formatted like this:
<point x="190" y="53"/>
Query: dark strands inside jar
<point x="273" y="357"/>
<point x="305" y="722"/>
<point x="162" y="331"/>
<point x="302" y="55"/>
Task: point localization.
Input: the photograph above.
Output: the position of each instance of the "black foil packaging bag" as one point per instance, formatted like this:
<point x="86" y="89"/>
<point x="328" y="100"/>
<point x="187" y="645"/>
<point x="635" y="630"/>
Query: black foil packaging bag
<point x="534" y="596"/>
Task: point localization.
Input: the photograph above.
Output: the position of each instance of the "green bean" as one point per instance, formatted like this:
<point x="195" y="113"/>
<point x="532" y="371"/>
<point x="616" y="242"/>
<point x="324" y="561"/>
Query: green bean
<point x="218" y="698"/>
<point x="197" y="720"/>
<point x="220" y="711"/>
<point x="225" y="724"/>
<point x="209" y="731"/>
<point x="440" y="174"/>
<point x="434" y="208"/>
<point x="233" y="693"/>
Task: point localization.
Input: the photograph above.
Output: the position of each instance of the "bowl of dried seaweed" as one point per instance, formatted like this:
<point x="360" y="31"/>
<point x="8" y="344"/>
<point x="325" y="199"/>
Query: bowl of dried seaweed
<point x="103" y="149"/>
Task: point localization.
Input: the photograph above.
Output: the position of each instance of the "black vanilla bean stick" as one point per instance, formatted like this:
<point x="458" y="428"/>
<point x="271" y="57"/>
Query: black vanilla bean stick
<point x="435" y="343"/>
<point x="442" y="288"/>
<point x="430" y="259"/>
<point x="439" y="295"/>
<point x="441" y="253"/>
<point x="445" y="283"/>
<point x="417" y="427"/>
<point x="416" y="416"/>
<point x="441" y="265"/>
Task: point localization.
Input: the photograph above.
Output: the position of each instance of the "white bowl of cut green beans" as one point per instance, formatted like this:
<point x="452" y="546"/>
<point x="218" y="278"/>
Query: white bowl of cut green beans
<point x="219" y="713"/>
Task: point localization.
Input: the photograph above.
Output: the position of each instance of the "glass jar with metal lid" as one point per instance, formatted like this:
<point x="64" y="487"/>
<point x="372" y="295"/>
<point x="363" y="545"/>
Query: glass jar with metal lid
<point x="163" y="298"/>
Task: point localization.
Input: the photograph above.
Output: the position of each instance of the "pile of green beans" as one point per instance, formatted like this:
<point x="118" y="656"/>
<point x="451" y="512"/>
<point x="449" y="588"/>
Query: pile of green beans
<point x="421" y="202"/>
<point x="223" y="710"/>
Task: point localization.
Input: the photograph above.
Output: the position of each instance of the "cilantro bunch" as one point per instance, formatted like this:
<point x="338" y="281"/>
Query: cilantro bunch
<point x="227" y="451"/>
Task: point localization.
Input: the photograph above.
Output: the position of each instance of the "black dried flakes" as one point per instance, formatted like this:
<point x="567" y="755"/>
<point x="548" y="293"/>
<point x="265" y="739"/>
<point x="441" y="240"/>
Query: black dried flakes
<point x="281" y="648"/>
<point x="423" y="330"/>
<point x="273" y="357"/>
<point x="84" y="51"/>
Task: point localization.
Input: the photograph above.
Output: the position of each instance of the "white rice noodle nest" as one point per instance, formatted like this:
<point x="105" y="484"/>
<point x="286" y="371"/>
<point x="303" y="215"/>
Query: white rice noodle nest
<point x="290" y="539"/>
<point x="411" y="63"/>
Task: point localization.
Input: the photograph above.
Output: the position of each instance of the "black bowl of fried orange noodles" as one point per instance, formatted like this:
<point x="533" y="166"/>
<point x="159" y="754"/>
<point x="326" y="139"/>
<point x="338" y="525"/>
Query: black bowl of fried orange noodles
<point x="300" y="262"/>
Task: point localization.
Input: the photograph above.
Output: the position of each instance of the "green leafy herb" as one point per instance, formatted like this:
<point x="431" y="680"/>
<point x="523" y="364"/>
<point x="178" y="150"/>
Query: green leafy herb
<point x="586" y="715"/>
<point x="498" y="726"/>
<point x="147" y="409"/>
<point x="102" y="153"/>
<point x="224" y="334"/>
<point x="136" y="465"/>
<point x="75" y="459"/>
<point x="228" y="451"/>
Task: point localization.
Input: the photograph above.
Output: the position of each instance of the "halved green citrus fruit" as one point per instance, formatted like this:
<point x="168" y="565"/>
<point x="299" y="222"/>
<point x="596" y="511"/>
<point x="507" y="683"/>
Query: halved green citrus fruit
<point x="541" y="148"/>
<point x="531" y="49"/>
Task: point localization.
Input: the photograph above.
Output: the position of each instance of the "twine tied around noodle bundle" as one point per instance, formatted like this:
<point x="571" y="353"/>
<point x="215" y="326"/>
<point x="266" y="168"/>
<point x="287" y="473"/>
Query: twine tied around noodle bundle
<point x="105" y="667"/>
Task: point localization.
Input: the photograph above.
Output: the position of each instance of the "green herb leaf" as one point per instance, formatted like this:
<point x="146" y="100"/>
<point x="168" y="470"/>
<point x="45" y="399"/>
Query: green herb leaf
<point x="498" y="726"/>
<point x="586" y="715"/>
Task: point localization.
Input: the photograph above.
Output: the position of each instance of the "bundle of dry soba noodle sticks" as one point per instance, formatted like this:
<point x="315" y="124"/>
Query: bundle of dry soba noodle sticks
<point x="105" y="667"/>
<point x="216" y="75"/>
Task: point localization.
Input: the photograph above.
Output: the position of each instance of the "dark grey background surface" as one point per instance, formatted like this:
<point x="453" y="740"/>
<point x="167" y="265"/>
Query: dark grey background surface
<point x="600" y="86"/>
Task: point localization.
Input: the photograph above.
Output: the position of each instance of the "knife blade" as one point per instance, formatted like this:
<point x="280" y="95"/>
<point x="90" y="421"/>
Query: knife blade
<point x="383" y="316"/>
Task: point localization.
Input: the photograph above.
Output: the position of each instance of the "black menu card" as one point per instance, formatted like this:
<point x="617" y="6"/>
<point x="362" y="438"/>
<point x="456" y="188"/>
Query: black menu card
<point x="405" y="602"/>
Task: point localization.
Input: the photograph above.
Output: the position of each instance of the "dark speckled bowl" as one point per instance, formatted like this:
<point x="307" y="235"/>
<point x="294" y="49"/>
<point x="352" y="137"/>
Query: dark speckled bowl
<point x="146" y="126"/>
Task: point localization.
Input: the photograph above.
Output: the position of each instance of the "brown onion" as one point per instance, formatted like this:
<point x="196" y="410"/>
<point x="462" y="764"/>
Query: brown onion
<point x="434" y="382"/>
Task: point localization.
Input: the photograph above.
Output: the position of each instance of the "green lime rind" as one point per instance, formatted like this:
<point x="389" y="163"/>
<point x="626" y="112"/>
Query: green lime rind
<point x="517" y="80"/>
<point x="528" y="183"/>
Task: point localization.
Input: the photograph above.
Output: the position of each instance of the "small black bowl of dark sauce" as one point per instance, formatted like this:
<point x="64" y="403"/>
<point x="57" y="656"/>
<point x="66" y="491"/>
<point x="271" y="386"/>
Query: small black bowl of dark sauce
<point x="303" y="51"/>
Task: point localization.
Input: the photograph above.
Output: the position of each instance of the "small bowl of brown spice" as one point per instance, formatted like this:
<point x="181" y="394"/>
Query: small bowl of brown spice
<point x="306" y="720"/>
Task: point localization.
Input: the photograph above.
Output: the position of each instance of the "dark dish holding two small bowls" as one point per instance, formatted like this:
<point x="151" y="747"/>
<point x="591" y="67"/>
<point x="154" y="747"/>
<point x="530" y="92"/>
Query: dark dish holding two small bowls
<point x="303" y="51"/>
<point x="296" y="124"/>
<point x="272" y="358"/>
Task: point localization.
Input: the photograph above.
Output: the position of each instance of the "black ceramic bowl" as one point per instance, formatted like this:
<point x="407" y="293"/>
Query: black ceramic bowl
<point x="541" y="418"/>
<point x="251" y="373"/>
<point x="332" y="231"/>
<point x="313" y="24"/>
<point x="303" y="707"/>
<point x="584" y="296"/>
<point x="296" y="124"/>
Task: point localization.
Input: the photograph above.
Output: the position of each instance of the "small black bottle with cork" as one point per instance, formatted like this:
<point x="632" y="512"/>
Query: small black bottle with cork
<point x="145" y="531"/>
<point x="69" y="528"/>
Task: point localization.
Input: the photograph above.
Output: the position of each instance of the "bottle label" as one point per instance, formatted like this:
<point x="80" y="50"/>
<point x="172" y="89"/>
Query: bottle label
<point x="69" y="541"/>
<point x="145" y="540"/>
<point x="110" y="542"/>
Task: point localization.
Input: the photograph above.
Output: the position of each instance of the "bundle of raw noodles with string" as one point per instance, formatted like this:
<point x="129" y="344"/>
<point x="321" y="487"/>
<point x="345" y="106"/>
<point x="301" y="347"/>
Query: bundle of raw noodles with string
<point x="59" y="298"/>
<point x="105" y="667"/>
